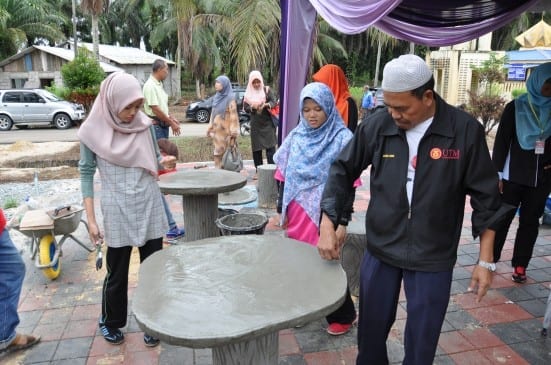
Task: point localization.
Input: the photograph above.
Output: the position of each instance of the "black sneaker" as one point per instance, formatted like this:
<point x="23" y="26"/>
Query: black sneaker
<point x="111" y="335"/>
<point x="150" y="341"/>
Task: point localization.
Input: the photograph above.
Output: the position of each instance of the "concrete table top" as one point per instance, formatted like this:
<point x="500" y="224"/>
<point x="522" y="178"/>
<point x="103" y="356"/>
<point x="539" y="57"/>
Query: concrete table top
<point x="199" y="190"/>
<point x="227" y="290"/>
<point x="201" y="182"/>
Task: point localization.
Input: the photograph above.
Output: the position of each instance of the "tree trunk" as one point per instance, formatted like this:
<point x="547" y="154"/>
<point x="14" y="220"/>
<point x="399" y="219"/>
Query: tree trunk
<point x="376" y="78"/>
<point x="95" y="36"/>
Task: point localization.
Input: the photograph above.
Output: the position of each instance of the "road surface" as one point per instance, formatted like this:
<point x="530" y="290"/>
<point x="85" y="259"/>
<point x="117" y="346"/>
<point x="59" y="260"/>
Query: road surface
<point x="46" y="134"/>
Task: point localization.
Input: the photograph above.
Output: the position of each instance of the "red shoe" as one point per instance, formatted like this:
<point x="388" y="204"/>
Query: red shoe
<point x="519" y="275"/>
<point x="337" y="329"/>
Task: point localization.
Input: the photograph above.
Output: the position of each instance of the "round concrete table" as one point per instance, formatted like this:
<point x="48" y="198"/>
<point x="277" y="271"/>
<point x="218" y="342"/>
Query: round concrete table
<point x="234" y="293"/>
<point x="199" y="190"/>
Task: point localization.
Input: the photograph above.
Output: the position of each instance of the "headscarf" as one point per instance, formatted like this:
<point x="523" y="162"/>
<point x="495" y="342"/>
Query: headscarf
<point x="306" y="154"/>
<point x="254" y="96"/>
<point x="222" y="98"/>
<point x="533" y="110"/>
<point x="123" y="144"/>
<point x="333" y="76"/>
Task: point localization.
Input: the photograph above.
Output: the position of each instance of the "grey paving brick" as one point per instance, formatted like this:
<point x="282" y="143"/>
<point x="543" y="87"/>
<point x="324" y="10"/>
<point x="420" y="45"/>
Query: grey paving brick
<point x="443" y="360"/>
<point x="537" y="290"/>
<point x="461" y="273"/>
<point x="43" y="351"/>
<point x="176" y="355"/>
<point x="314" y="341"/>
<point x="395" y="351"/>
<point x="292" y="360"/>
<point x="73" y="348"/>
<point x="515" y="293"/>
<point x="466" y="260"/>
<point x="460" y="320"/>
<point x="535" y="307"/>
<point x="538" y="263"/>
<point x="535" y="352"/>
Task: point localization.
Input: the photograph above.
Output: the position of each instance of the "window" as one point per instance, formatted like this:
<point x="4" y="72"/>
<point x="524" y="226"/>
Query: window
<point x="29" y="97"/>
<point x="12" y="97"/>
<point x="18" y="83"/>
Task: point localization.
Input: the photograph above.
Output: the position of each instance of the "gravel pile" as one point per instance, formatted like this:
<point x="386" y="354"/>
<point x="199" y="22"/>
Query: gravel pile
<point x="45" y="194"/>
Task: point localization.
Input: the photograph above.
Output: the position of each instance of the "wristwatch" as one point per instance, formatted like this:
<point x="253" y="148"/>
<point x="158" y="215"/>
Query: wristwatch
<point x="487" y="265"/>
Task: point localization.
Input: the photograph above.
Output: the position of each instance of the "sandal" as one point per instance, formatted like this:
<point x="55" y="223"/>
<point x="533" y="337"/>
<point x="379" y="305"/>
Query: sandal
<point x="20" y="342"/>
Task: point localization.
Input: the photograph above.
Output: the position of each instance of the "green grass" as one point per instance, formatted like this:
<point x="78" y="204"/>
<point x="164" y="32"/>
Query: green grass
<point x="195" y="149"/>
<point x="10" y="203"/>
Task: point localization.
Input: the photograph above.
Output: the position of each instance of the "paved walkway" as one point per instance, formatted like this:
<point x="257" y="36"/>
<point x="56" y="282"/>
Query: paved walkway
<point x="503" y="329"/>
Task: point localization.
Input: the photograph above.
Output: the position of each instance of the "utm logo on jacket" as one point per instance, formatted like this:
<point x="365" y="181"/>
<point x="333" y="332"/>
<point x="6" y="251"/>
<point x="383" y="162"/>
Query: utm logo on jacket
<point x="445" y="154"/>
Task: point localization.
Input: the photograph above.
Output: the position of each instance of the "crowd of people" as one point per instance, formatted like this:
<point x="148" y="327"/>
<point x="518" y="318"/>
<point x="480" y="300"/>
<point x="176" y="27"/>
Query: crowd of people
<point x="412" y="226"/>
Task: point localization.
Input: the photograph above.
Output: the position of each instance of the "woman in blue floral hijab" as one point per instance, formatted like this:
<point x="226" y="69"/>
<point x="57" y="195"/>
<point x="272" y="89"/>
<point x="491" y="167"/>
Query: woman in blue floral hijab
<point x="303" y="162"/>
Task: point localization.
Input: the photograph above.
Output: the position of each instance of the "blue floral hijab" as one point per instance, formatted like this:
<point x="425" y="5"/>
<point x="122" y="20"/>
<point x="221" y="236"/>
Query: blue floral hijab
<point x="533" y="110"/>
<point x="222" y="98"/>
<point x="306" y="154"/>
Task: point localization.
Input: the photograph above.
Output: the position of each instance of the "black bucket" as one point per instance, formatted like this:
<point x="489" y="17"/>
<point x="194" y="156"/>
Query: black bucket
<point x="242" y="223"/>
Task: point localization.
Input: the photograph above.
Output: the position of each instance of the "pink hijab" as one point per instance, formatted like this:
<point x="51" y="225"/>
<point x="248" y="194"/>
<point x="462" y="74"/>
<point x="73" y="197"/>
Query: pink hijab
<point x="254" y="96"/>
<point x="123" y="144"/>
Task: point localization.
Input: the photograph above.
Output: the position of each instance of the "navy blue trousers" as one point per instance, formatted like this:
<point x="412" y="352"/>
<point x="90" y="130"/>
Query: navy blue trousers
<point x="427" y="295"/>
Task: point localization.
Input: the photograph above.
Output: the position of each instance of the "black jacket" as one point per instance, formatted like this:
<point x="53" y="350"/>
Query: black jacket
<point x="525" y="167"/>
<point x="452" y="161"/>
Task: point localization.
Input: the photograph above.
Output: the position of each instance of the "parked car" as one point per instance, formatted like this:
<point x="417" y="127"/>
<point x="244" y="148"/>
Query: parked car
<point x="23" y="107"/>
<point x="200" y="110"/>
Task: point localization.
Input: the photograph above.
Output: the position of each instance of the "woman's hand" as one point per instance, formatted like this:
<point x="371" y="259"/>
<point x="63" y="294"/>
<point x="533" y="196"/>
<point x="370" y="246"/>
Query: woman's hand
<point x="168" y="162"/>
<point x="96" y="237"/>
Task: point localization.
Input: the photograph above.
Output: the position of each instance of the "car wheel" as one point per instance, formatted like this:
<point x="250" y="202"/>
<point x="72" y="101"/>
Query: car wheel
<point x="62" y="121"/>
<point x="5" y="123"/>
<point x="202" y="116"/>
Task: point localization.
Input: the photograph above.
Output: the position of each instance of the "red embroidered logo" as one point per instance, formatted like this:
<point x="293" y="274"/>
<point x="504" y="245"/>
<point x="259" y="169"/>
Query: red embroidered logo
<point x="446" y="154"/>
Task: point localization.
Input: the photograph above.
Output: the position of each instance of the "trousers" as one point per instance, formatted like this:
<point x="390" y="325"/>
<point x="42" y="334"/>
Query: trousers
<point x="114" y="303"/>
<point x="12" y="273"/>
<point x="427" y="295"/>
<point x="531" y="201"/>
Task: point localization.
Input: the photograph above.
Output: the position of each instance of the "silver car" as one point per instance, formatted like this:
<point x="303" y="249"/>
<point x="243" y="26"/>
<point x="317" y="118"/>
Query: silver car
<point x="23" y="107"/>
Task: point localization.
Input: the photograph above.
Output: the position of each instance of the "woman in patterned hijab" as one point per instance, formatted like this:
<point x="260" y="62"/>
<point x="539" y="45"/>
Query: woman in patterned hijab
<point x="304" y="158"/>
<point x="224" y="120"/>
<point x="303" y="162"/>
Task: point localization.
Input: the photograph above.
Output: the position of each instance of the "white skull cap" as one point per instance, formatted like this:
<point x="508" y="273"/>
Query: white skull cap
<point x="405" y="73"/>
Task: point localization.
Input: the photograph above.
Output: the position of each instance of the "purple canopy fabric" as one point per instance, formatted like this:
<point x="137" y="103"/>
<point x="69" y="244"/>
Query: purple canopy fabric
<point x="428" y="22"/>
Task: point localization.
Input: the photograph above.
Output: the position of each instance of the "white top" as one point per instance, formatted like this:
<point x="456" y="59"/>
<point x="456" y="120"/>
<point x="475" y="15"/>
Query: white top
<point x="414" y="136"/>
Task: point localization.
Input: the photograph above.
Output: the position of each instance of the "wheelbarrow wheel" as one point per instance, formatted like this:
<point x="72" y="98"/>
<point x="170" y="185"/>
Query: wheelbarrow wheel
<point x="47" y="252"/>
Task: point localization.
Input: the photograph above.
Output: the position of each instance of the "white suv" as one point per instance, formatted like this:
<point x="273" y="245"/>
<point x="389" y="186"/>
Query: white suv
<point x="22" y="107"/>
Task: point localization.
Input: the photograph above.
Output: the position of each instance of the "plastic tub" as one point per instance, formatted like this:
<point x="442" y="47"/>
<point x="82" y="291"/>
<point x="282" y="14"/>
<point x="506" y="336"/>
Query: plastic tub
<point x="242" y="223"/>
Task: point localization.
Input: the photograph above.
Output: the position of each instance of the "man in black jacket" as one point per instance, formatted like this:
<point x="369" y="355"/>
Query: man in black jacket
<point x="425" y="157"/>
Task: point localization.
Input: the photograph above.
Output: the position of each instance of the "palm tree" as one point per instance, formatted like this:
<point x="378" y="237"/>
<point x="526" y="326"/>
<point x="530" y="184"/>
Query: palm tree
<point x="23" y="23"/>
<point x="95" y="8"/>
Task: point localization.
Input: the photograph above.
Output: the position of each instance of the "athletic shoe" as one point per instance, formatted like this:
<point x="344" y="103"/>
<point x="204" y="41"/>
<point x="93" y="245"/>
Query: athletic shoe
<point x="519" y="275"/>
<point x="150" y="341"/>
<point x="112" y="335"/>
<point x="175" y="232"/>
<point x="337" y="329"/>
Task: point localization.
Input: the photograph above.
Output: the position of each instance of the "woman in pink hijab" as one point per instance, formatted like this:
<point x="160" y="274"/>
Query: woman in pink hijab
<point x="258" y="101"/>
<point x="117" y="139"/>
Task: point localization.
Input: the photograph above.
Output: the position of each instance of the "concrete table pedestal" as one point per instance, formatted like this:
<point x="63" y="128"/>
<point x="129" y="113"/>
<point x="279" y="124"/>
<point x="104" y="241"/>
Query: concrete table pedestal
<point x="261" y="350"/>
<point x="234" y="294"/>
<point x="199" y="190"/>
